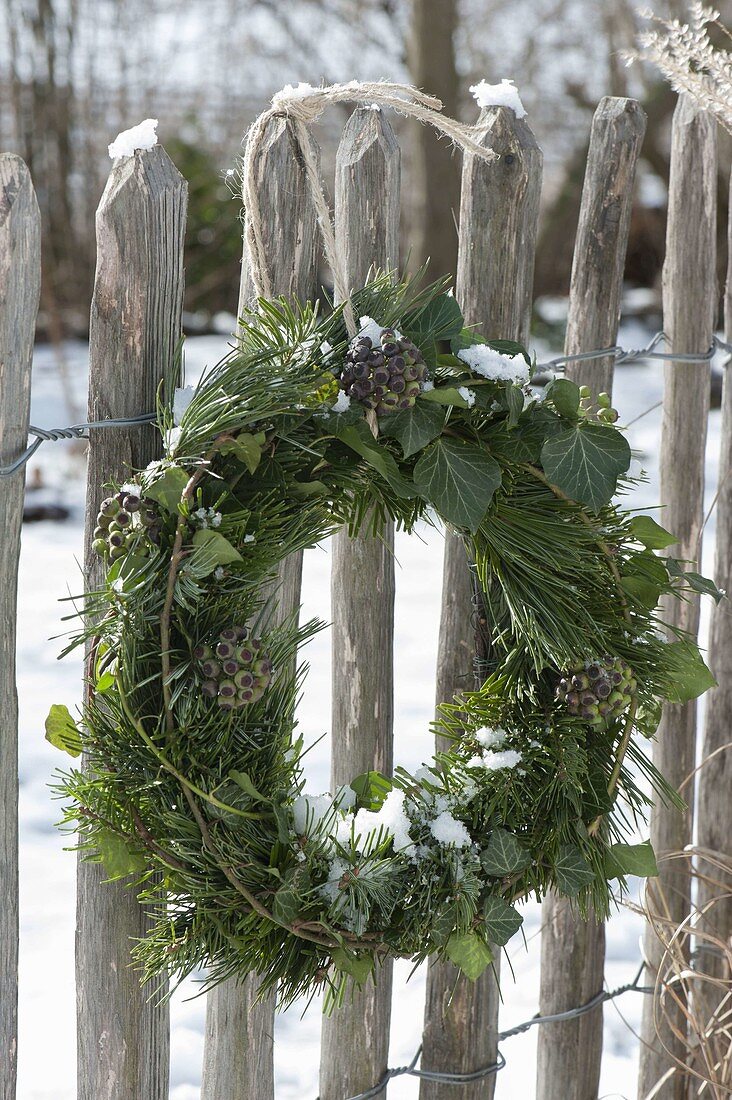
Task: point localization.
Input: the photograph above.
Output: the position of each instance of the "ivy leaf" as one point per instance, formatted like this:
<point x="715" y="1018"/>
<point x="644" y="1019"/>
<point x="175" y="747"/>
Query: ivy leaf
<point x="358" y="967"/>
<point x="502" y="921"/>
<point x="705" y="586"/>
<point x="288" y="900"/>
<point x="212" y="550"/>
<point x="504" y="854"/>
<point x="359" y="438"/>
<point x="586" y="461"/>
<point x="104" y="683"/>
<point x="651" y="534"/>
<point x="246" y="448"/>
<point x="168" y="489"/>
<point x="631" y="859"/>
<point x="689" y="677"/>
<point x="371" y="788"/>
<point x="572" y="871"/>
<point x="414" y="428"/>
<point x="469" y="953"/>
<point x="119" y="861"/>
<point x="641" y="591"/>
<point x="459" y="479"/>
<point x="62" y="731"/>
<point x="565" y="396"/>
<point x="443" y="925"/>
<point x="444" y="395"/>
<point x="242" y="780"/>
<point x="440" y="319"/>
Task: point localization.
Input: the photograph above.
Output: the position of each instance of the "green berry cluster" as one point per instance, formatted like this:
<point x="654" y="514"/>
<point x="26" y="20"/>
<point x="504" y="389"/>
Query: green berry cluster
<point x="120" y="521"/>
<point x="384" y="376"/>
<point x="235" y="669"/>
<point x="605" y="411"/>
<point x="598" y="691"/>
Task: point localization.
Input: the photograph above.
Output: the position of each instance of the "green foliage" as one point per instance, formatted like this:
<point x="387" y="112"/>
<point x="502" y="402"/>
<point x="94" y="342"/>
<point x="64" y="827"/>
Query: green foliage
<point x="118" y="859"/>
<point x="459" y="478"/>
<point x="689" y="677"/>
<point x="168" y="488"/>
<point x="502" y="921"/>
<point x="62" y="731"/>
<point x="469" y="953"/>
<point x="504" y="854"/>
<point x="565" y="395"/>
<point x="586" y="461"/>
<point x="650" y="533"/>
<point x="371" y="788"/>
<point x="414" y="428"/>
<point x="185" y="788"/>
<point x="631" y="859"/>
<point x="572" y="870"/>
<point x="212" y="549"/>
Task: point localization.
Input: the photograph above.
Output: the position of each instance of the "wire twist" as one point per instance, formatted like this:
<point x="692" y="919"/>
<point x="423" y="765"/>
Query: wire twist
<point x="494" y="1067"/>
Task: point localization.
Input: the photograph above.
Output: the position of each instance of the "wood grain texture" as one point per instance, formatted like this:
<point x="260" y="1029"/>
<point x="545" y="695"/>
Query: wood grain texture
<point x="355" y="1043"/>
<point x="238" y="1061"/>
<point x="714" y="816"/>
<point x="20" y="282"/>
<point x="618" y="127"/>
<point x="689" y="308"/>
<point x="498" y="222"/>
<point x="123" y="1035"/>
<point x="569" y="1054"/>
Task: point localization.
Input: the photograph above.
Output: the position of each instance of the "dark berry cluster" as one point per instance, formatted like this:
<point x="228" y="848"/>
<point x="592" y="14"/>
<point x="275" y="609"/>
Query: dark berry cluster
<point x="598" y="691"/>
<point x="384" y="376"/>
<point x="120" y="521"/>
<point x="235" y="670"/>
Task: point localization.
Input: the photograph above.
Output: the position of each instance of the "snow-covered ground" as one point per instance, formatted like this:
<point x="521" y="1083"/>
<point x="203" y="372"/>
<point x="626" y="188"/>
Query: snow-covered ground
<point x="50" y="571"/>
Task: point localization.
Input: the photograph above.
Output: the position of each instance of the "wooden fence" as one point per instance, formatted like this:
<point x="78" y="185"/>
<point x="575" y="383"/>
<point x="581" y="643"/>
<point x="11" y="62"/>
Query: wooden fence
<point x="135" y="325"/>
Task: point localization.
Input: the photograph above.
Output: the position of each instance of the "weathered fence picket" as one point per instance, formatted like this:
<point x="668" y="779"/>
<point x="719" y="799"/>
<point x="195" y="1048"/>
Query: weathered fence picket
<point x="690" y="303"/>
<point x="238" y="1061"/>
<point x="714" y="815"/>
<point x="20" y="282"/>
<point x="135" y="327"/>
<point x="572" y="950"/>
<point x="355" y="1044"/>
<point x="499" y="210"/>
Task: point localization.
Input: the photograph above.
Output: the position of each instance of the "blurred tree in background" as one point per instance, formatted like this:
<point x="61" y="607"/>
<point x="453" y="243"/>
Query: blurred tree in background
<point x="75" y="72"/>
<point x="213" y="243"/>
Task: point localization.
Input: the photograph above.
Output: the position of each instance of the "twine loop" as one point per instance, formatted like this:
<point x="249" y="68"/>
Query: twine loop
<point x="302" y="105"/>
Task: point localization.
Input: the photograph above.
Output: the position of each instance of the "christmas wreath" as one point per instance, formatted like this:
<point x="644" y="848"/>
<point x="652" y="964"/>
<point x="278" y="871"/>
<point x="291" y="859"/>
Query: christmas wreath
<point x="193" y="788"/>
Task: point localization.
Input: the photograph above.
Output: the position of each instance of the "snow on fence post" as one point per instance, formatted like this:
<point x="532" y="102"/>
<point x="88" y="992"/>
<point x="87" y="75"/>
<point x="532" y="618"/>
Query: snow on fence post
<point x="572" y="950"/>
<point x="714" y="815"/>
<point x="499" y="210"/>
<point x="689" y="314"/>
<point x="20" y="282"/>
<point x="355" y="1043"/>
<point x="238" y="1061"/>
<point x="135" y="327"/>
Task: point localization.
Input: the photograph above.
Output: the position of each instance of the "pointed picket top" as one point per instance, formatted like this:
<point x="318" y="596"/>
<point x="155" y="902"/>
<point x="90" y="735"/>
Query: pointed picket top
<point x="499" y="207"/>
<point x="618" y="128"/>
<point x="367" y="171"/>
<point x="288" y="217"/>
